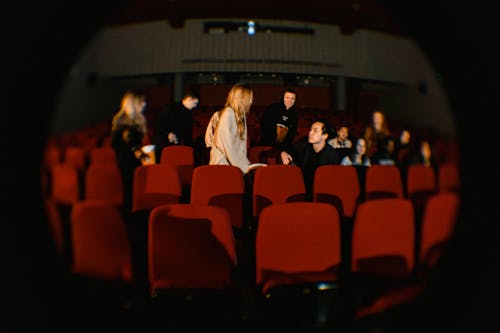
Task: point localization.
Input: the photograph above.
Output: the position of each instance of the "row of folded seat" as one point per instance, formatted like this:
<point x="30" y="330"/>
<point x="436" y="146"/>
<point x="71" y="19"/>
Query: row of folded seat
<point x="343" y="196"/>
<point x="342" y="186"/>
<point x="68" y="182"/>
<point x="191" y="246"/>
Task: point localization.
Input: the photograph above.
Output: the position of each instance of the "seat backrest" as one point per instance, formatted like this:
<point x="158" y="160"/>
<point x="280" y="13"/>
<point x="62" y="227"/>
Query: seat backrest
<point x="297" y="237"/>
<point x="190" y="246"/>
<point x="52" y="155"/>
<point x="448" y="177"/>
<point x="76" y="156"/>
<point x="383" y="238"/>
<point x="260" y="154"/>
<point x="420" y="179"/>
<point x="100" y="243"/>
<point x="65" y="185"/>
<point x="154" y="185"/>
<point x="56" y="227"/>
<point x="220" y="185"/>
<point x="276" y="184"/>
<point x="177" y="155"/>
<point x="102" y="155"/>
<point x="338" y="185"/>
<point x="383" y="181"/>
<point x="103" y="182"/>
<point x="439" y="219"/>
<point x="182" y="157"/>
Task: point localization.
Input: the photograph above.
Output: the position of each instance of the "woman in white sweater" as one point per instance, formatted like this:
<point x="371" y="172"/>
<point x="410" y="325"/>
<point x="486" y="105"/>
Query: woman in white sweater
<point x="229" y="145"/>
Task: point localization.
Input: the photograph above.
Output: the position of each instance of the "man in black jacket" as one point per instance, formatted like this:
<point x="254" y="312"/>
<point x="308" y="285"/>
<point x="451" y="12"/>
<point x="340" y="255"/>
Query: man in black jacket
<point x="174" y="125"/>
<point x="311" y="154"/>
<point x="278" y="126"/>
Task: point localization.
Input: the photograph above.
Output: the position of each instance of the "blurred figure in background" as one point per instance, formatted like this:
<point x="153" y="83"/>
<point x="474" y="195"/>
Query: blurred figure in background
<point x="174" y="125"/>
<point x="378" y="138"/>
<point x="423" y="155"/>
<point x="341" y="142"/>
<point x="358" y="155"/>
<point x="127" y="133"/>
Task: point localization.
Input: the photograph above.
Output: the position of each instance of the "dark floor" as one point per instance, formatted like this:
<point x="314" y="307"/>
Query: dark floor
<point x="60" y="302"/>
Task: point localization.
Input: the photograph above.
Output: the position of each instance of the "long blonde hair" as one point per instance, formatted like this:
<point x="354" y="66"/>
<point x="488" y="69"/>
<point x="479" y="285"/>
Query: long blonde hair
<point x="130" y="113"/>
<point x="239" y="99"/>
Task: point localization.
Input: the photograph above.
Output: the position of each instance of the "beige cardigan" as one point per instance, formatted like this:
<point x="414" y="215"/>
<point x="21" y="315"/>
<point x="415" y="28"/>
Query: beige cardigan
<point x="210" y="131"/>
<point x="228" y="147"/>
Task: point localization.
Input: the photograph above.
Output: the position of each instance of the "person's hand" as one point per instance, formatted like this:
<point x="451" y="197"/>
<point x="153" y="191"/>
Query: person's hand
<point x="286" y="158"/>
<point x="125" y="135"/>
<point x="172" y="138"/>
<point x="139" y="154"/>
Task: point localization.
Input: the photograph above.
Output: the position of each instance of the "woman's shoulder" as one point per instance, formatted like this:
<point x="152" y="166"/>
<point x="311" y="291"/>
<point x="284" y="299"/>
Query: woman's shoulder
<point x="226" y="114"/>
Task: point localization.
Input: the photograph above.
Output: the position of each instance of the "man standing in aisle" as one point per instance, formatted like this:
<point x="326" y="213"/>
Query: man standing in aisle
<point x="174" y="125"/>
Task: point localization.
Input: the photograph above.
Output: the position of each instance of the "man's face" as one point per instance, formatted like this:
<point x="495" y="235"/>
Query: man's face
<point x="316" y="133"/>
<point x="378" y="119"/>
<point x="343" y="133"/>
<point x="425" y="150"/>
<point x="191" y="103"/>
<point x="289" y="99"/>
<point x="405" y="137"/>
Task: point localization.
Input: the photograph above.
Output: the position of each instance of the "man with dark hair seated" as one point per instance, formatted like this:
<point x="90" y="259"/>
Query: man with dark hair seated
<point x="311" y="154"/>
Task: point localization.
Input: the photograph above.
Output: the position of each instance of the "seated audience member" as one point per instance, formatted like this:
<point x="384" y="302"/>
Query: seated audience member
<point x="377" y="136"/>
<point x="311" y="154"/>
<point x="423" y="156"/>
<point x="358" y="155"/>
<point x="402" y="148"/>
<point x="341" y="142"/>
<point x="385" y="153"/>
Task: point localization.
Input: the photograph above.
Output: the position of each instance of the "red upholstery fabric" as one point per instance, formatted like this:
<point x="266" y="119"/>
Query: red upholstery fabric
<point x="100" y="242"/>
<point x="296" y="241"/>
<point x="337" y="182"/>
<point x="76" y="156"/>
<point x="276" y="184"/>
<point x="57" y="229"/>
<point x="383" y="181"/>
<point x="420" y="178"/>
<point x="182" y="157"/>
<point x="440" y="216"/>
<point x="190" y="246"/>
<point x="102" y="155"/>
<point x="220" y="185"/>
<point x="448" y="178"/>
<point x="65" y="187"/>
<point x="262" y="154"/>
<point x="384" y="228"/>
<point x="103" y="182"/>
<point x="154" y="185"/>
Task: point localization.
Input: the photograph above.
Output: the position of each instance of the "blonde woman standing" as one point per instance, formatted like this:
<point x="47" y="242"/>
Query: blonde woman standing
<point x="229" y="145"/>
<point x="127" y="134"/>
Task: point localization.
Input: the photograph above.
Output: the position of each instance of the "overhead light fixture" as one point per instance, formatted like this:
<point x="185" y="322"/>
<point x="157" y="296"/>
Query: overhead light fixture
<point x="251" y="28"/>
